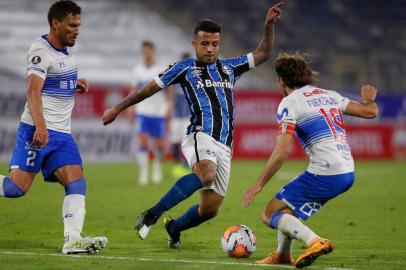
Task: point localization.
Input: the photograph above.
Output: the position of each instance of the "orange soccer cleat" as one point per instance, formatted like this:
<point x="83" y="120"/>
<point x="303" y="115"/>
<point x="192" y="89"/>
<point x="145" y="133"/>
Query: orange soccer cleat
<point x="317" y="248"/>
<point x="277" y="258"/>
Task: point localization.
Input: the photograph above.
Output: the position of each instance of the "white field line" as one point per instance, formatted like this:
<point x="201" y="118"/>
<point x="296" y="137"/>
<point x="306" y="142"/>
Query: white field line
<point x="34" y="254"/>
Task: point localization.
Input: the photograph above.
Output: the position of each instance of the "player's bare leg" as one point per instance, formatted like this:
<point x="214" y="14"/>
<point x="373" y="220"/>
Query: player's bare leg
<point x="73" y="213"/>
<point x="17" y="184"/>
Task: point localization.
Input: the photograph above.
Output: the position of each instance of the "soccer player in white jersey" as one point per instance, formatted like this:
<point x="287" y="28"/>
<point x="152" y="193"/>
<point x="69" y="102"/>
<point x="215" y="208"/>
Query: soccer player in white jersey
<point x="207" y="82"/>
<point x="151" y="116"/>
<point x="314" y="115"/>
<point x="44" y="140"/>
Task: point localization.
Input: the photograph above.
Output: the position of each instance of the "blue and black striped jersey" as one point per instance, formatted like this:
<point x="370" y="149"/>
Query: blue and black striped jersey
<point x="209" y="92"/>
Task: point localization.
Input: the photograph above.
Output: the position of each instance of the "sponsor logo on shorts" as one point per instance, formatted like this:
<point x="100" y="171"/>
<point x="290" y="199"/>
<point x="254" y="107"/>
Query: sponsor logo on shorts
<point x="30" y="146"/>
<point x="310" y="208"/>
<point x="211" y="152"/>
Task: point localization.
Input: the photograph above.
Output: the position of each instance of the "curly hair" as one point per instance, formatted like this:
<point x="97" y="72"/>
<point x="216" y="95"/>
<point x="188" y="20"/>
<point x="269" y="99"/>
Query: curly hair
<point x="294" y="70"/>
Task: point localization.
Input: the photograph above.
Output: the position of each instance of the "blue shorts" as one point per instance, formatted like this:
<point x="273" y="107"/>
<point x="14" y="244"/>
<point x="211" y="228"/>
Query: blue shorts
<point x="153" y="126"/>
<point x="308" y="192"/>
<point x="60" y="151"/>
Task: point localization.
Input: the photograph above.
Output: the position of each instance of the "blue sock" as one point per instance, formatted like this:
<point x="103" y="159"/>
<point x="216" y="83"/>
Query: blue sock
<point x="10" y="189"/>
<point x="189" y="219"/>
<point x="180" y="191"/>
<point x="274" y="220"/>
<point x="76" y="187"/>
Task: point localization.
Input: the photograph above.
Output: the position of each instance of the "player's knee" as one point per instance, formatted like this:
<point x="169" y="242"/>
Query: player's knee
<point x="265" y="218"/>
<point x="12" y="190"/>
<point x="207" y="177"/>
<point x="76" y="187"/>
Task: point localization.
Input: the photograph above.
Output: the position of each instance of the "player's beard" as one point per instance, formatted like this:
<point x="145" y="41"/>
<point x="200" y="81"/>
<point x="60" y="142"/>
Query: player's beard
<point x="66" y="41"/>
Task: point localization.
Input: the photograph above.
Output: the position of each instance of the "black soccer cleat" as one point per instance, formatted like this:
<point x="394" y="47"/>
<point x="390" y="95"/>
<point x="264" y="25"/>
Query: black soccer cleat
<point x="173" y="238"/>
<point x="144" y="224"/>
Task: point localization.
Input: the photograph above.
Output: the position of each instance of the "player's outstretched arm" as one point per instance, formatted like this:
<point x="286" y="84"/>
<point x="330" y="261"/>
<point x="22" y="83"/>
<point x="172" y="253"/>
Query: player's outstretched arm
<point x="264" y="50"/>
<point x="110" y="114"/>
<point x="368" y="108"/>
<point x="278" y="157"/>
<point x="34" y="100"/>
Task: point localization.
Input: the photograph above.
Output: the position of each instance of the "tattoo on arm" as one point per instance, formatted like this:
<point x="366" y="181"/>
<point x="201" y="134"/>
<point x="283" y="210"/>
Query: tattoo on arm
<point x="138" y="96"/>
<point x="263" y="52"/>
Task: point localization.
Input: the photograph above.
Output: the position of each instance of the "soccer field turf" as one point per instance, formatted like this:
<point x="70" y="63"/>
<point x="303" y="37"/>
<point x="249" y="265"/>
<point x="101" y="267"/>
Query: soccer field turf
<point x="367" y="223"/>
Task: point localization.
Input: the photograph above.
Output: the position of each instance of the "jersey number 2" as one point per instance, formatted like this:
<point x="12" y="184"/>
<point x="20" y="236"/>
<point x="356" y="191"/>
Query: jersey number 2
<point x="31" y="157"/>
<point x="334" y="119"/>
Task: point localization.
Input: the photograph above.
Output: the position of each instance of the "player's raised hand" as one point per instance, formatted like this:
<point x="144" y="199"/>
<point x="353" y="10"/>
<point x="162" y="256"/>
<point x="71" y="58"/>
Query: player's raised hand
<point x="82" y="86"/>
<point x="368" y="93"/>
<point x="109" y="115"/>
<point x="249" y="194"/>
<point x="274" y="13"/>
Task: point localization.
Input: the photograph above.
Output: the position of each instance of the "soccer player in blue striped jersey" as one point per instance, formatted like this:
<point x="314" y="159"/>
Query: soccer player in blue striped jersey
<point x="207" y="83"/>
<point x="44" y="140"/>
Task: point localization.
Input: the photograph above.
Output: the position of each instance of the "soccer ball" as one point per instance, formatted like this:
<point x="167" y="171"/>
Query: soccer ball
<point x="238" y="241"/>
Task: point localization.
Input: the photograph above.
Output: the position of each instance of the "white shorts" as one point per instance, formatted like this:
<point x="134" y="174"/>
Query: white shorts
<point x="200" y="146"/>
<point x="178" y="129"/>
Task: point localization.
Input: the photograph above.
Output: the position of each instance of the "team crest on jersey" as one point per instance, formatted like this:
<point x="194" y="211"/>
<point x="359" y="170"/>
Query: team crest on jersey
<point x="196" y="71"/>
<point x="36" y="60"/>
<point x="226" y="69"/>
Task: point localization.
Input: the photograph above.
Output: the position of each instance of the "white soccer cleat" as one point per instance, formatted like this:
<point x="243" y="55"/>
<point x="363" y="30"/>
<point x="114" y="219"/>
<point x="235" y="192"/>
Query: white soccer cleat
<point x="87" y="245"/>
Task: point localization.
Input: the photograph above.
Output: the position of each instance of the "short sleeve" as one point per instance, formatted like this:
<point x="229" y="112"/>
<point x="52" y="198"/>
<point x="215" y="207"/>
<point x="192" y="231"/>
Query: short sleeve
<point x="241" y="64"/>
<point x="173" y="74"/>
<point x="287" y="116"/>
<point x="342" y="101"/>
<point x="39" y="61"/>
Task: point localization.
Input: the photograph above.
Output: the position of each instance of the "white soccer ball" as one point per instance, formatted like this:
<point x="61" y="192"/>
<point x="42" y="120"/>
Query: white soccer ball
<point x="238" y="241"/>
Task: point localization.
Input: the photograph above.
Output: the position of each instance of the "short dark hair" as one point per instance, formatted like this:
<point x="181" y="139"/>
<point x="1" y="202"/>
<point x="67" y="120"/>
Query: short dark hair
<point x="61" y="9"/>
<point x="294" y="70"/>
<point x="148" y="43"/>
<point x="207" y="25"/>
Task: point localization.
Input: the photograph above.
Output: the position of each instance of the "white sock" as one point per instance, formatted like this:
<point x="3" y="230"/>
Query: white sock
<point x="294" y="228"/>
<point x="285" y="243"/>
<point x="156" y="167"/>
<point x="142" y="158"/>
<point x="73" y="214"/>
<point x="1" y="185"/>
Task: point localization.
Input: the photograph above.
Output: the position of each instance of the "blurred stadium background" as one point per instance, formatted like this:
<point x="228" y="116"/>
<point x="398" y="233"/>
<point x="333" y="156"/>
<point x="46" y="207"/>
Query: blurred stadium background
<point x="349" y="42"/>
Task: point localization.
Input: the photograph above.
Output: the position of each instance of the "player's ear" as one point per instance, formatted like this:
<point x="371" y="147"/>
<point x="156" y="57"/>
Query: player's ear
<point x="281" y="82"/>
<point x="54" y="23"/>
<point x="193" y="43"/>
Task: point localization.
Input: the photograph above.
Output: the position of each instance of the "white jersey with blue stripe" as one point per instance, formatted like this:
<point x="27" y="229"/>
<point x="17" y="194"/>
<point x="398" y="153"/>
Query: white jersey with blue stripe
<point x="315" y="116"/>
<point x="59" y="71"/>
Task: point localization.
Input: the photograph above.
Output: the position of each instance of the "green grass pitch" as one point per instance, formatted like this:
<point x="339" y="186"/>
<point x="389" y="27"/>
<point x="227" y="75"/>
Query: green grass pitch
<point x="367" y="224"/>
